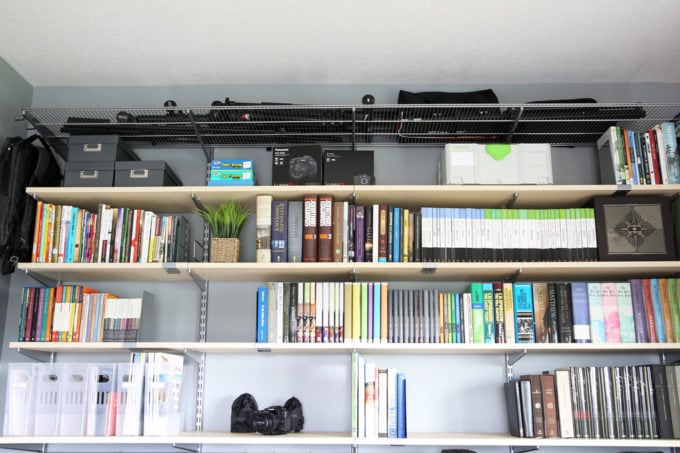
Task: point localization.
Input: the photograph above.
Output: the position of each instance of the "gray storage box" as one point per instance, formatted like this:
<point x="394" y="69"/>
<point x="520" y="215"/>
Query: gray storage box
<point x="98" y="148"/>
<point x="88" y="174"/>
<point x="145" y="173"/>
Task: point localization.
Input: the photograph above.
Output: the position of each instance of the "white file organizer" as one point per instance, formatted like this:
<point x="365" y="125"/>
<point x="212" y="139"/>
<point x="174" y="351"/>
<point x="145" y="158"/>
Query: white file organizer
<point x="129" y="392"/>
<point x="73" y="399"/>
<point x="20" y="399"/>
<point x="101" y="400"/>
<point x="163" y="395"/>
<point x="47" y="383"/>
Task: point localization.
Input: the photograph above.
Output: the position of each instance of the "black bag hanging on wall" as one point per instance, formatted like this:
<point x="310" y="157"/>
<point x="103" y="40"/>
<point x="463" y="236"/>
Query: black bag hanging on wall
<point x="22" y="164"/>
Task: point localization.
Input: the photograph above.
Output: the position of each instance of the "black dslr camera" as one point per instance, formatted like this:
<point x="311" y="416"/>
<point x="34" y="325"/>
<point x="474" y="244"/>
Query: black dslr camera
<point x="246" y="418"/>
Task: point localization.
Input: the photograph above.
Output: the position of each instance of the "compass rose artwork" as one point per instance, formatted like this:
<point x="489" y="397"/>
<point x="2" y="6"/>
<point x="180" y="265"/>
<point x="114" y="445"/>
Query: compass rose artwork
<point x="634" y="228"/>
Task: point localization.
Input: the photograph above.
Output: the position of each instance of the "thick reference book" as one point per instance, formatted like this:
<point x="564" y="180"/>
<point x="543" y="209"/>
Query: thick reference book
<point x="310" y="228"/>
<point x="295" y="222"/>
<point x="279" y="235"/>
<point x="325" y="231"/>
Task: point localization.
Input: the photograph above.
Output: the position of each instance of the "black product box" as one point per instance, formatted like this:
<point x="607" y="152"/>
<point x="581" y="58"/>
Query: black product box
<point x="297" y="165"/>
<point x="88" y="174"/>
<point x="348" y="167"/>
<point x="98" y="148"/>
<point x="144" y="173"/>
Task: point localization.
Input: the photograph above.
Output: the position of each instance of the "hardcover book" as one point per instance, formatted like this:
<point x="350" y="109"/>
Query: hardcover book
<point x="310" y="229"/>
<point x="279" y="234"/>
<point x="524" y="312"/>
<point x="263" y="225"/>
<point x="295" y="223"/>
<point x="581" y="320"/>
<point x="325" y="231"/>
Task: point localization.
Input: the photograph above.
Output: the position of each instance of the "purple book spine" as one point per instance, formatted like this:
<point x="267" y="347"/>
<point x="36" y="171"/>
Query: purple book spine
<point x="639" y="315"/>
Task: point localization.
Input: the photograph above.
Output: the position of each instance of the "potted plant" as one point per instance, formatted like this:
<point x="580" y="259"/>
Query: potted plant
<point x="225" y="222"/>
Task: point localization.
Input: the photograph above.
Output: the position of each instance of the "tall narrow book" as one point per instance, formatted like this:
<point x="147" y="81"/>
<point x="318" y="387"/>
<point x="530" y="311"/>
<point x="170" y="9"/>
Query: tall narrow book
<point x="263" y="225"/>
<point x="310" y="229"/>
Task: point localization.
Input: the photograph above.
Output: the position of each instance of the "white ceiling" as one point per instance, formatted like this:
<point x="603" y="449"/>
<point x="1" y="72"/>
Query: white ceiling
<point x="220" y="42"/>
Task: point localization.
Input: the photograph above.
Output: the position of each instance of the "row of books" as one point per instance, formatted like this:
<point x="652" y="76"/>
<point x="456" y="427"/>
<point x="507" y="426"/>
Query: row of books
<point x="594" y="402"/>
<point x="69" y="234"/>
<point x="74" y="313"/>
<point x="647" y="157"/>
<point x="319" y="228"/>
<point x="378" y="400"/>
<point x="142" y="396"/>
<point x="639" y="310"/>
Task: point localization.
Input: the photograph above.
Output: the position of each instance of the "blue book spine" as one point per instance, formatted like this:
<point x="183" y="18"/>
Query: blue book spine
<point x="262" y="313"/>
<point x="396" y="233"/>
<point x="457" y="305"/>
<point x="658" y="313"/>
<point x="401" y="406"/>
<point x="580" y="312"/>
<point x="633" y="156"/>
<point x="523" y="301"/>
<point x="279" y="235"/>
<point x="670" y="143"/>
<point x="489" y="321"/>
<point x="377" y="301"/>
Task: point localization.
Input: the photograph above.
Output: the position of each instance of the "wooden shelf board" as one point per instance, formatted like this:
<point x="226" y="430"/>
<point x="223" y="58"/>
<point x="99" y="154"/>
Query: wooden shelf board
<point x="179" y="199"/>
<point x="82" y="272"/>
<point x="346" y="348"/>
<point x="335" y="438"/>
<point x="157" y="199"/>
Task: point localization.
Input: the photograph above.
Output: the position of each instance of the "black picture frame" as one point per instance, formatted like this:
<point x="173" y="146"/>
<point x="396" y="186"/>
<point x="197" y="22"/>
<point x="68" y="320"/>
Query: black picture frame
<point x="635" y="228"/>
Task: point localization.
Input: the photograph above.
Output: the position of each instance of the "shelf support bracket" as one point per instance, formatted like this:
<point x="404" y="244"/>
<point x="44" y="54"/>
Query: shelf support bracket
<point x="190" y="114"/>
<point x="511" y="201"/>
<point x="38" y="356"/>
<point x="353" y="275"/>
<point x="200" y="283"/>
<point x="42" y="448"/>
<point x="520" y="111"/>
<point x="622" y="190"/>
<point x="510" y="360"/>
<point x="192" y="448"/>
<point x="512" y="278"/>
<point x="522" y="449"/>
<point x="45" y="281"/>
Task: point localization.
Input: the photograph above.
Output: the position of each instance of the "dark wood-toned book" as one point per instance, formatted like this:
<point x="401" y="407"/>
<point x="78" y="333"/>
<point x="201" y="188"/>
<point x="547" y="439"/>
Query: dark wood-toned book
<point x="310" y="228"/>
<point x="536" y="404"/>
<point x="325" y="231"/>
<point x="382" y="233"/>
<point x="551" y="428"/>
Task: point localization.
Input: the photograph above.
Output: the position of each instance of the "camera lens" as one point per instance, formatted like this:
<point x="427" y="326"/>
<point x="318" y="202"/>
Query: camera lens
<point x="265" y="422"/>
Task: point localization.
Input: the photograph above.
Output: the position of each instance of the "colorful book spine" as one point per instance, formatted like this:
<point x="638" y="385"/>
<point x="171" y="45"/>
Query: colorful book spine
<point x="262" y="313"/>
<point x="477" y="295"/>
<point x="612" y="323"/>
<point x="639" y="312"/>
<point x="580" y="318"/>
<point x="310" y="228"/>
<point x="325" y="231"/>
<point x="596" y="312"/>
<point x="524" y="312"/>
<point x="626" y="315"/>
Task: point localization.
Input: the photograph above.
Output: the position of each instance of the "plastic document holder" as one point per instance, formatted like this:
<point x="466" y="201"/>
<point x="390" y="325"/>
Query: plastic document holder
<point x="47" y="383"/>
<point x="129" y="398"/>
<point x="163" y="388"/>
<point x="72" y="399"/>
<point x="101" y="399"/>
<point x="19" y="402"/>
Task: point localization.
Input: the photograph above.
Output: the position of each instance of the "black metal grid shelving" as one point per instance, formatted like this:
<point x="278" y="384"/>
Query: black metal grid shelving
<point x="268" y="125"/>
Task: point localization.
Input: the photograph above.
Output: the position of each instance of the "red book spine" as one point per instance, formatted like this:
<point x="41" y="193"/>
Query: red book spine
<point x="649" y="310"/>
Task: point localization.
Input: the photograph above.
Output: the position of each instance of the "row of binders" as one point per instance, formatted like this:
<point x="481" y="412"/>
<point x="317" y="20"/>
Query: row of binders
<point x="597" y="402"/>
<point x="639" y="310"/>
<point x="141" y="397"/>
<point x="74" y="313"/>
<point x="378" y="400"/>
<point x="649" y="157"/>
<point x="69" y="234"/>
<point x="321" y="229"/>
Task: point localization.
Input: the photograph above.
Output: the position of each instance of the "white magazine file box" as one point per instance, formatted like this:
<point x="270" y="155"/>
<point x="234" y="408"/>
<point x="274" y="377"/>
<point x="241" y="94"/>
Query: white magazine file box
<point x="129" y="395"/>
<point x="101" y="399"/>
<point x="73" y="399"/>
<point x="20" y="399"/>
